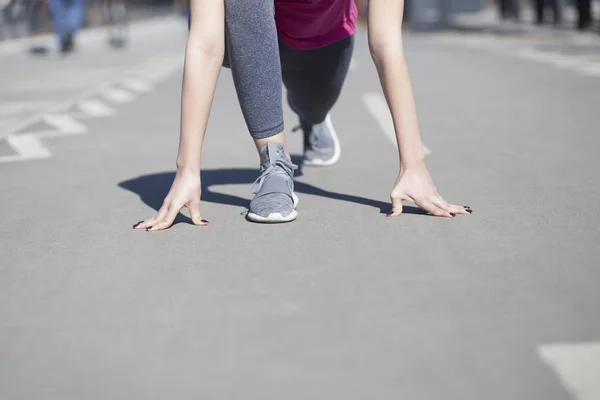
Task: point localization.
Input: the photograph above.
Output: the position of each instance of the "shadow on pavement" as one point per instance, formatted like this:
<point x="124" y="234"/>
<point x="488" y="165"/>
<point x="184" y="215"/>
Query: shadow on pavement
<point x="153" y="188"/>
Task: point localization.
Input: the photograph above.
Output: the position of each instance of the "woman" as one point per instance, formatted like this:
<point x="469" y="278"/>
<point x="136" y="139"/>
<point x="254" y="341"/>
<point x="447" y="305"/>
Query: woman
<point x="316" y="45"/>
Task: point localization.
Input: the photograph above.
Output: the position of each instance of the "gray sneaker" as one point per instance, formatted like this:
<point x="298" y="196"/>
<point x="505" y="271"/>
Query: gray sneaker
<point x="321" y="144"/>
<point x="274" y="199"/>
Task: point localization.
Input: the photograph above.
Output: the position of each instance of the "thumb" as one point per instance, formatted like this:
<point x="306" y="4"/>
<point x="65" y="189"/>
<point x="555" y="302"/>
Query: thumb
<point x="194" y="209"/>
<point x="396" y="205"/>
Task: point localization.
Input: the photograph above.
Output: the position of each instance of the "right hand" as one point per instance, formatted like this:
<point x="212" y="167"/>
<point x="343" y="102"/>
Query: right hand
<point x="185" y="192"/>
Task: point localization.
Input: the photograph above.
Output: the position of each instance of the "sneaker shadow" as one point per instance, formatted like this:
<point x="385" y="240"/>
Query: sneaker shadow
<point x="153" y="188"/>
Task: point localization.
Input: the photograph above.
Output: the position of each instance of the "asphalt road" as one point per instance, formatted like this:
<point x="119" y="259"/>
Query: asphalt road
<point x="344" y="303"/>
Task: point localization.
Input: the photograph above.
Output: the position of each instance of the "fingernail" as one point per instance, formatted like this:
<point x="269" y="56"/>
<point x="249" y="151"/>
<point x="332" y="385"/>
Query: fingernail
<point x="467" y="206"/>
<point x="389" y="214"/>
<point x="204" y="221"/>
<point x="136" y="224"/>
<point x="470" y="211"/>
<point x="452" y="215"/>
<point x="148" y="228"/>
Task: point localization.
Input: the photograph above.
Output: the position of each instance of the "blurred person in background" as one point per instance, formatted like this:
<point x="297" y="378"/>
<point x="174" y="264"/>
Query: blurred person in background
<point x="509" y="9"/>
<point x="584" y="12"/>
<point x="314" y="54"/>
<point x="68" y="17"/>
<point x="541" y="6"/>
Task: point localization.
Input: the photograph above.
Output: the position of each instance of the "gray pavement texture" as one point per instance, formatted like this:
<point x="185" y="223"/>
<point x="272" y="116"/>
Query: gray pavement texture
<point x="344" y="303"/>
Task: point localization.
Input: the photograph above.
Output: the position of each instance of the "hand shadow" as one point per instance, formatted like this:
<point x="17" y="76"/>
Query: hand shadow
<point x="153" y="188"/>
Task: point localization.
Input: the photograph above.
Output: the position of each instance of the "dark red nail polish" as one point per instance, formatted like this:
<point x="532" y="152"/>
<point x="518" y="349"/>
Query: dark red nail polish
<point x="452" y="215"/>
<point x="148" y="228"/>
<point x="470" y="211"/>
<point x="466" y="206"/>
<point x="204" y="221"/>
<point x="389" y="214"/>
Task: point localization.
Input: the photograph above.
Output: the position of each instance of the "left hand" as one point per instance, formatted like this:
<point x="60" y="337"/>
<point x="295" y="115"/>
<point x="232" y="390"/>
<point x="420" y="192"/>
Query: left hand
<point x="415" y="185"/>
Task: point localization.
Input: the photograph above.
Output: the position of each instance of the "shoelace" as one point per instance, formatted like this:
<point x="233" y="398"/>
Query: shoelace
<point x="282" y="163"/>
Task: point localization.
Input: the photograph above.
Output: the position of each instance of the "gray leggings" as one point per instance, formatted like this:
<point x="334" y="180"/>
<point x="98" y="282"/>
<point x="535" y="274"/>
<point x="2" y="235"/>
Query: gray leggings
<point x="259" y="63"/>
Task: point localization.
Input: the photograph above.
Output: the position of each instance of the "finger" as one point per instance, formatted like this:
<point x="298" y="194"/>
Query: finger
<point x="454" y="209"/>
<point x="429" y="206"/>
<point x="194" y="209"/>
<point x="144" y="224"/>
<point x="162" y="212"/>
<point x="396" y="205"/>
<point x="167" y="221"/>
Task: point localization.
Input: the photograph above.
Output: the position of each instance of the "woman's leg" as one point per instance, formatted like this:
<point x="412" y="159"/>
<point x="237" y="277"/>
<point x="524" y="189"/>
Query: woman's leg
<point x="253" y="54"/>
<point x="314" y="80"/>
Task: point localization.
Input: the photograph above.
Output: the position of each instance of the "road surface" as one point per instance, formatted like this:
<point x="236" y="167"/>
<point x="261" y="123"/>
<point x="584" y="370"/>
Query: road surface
<point x="344" y="303"/>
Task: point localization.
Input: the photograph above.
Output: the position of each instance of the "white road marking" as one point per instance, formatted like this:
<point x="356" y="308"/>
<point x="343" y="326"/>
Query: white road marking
<point x="28" y="147"/>
<point x="590" y="70"/>
<point x="137" y="85"/>
<point x="118" y="95"/>
<point x="561" y="61"/>
<point x="95" y="108"/>
<point x="577" y="365"/>
<point x="64" y="125"/>
<point x="534" y="55"/>
<point x="28" y="143"/>
<point x="378" y="108"/>
<point x="584" y="65"/>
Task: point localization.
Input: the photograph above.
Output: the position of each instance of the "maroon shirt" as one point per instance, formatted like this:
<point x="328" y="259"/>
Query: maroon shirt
<point x="310" y="24"/>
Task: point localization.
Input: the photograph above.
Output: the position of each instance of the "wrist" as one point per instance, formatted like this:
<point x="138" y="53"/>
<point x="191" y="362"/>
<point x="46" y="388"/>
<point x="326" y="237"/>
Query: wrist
<point x="187" y="167"/>
<point x="412" y="163"/>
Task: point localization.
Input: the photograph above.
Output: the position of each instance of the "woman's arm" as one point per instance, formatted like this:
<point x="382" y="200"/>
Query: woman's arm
<point x="385" y="42"/>
<point x="203" y="59"/>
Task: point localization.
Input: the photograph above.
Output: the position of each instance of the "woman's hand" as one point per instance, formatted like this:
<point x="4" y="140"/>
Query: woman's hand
<point x="185" y="192"/>
<point x="415" y="184"/>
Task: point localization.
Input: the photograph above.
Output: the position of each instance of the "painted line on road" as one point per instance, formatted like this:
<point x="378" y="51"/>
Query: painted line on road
<point x="590" y="70"/>
<point x="377" y="106"/>
<point x="62" y="121"/>
<point x="577" y="366"/>
<point x="95" y="108"/>
<point x="137" y="85"/>
<point x="28" y="147"/>
<point x="117" y="95"/>
<point x="64" y="124"/>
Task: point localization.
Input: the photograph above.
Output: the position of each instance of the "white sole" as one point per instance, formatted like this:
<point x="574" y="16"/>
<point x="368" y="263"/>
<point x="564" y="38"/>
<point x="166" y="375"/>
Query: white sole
<point x="337" y="149"/>
<point x="276" y="218"/>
